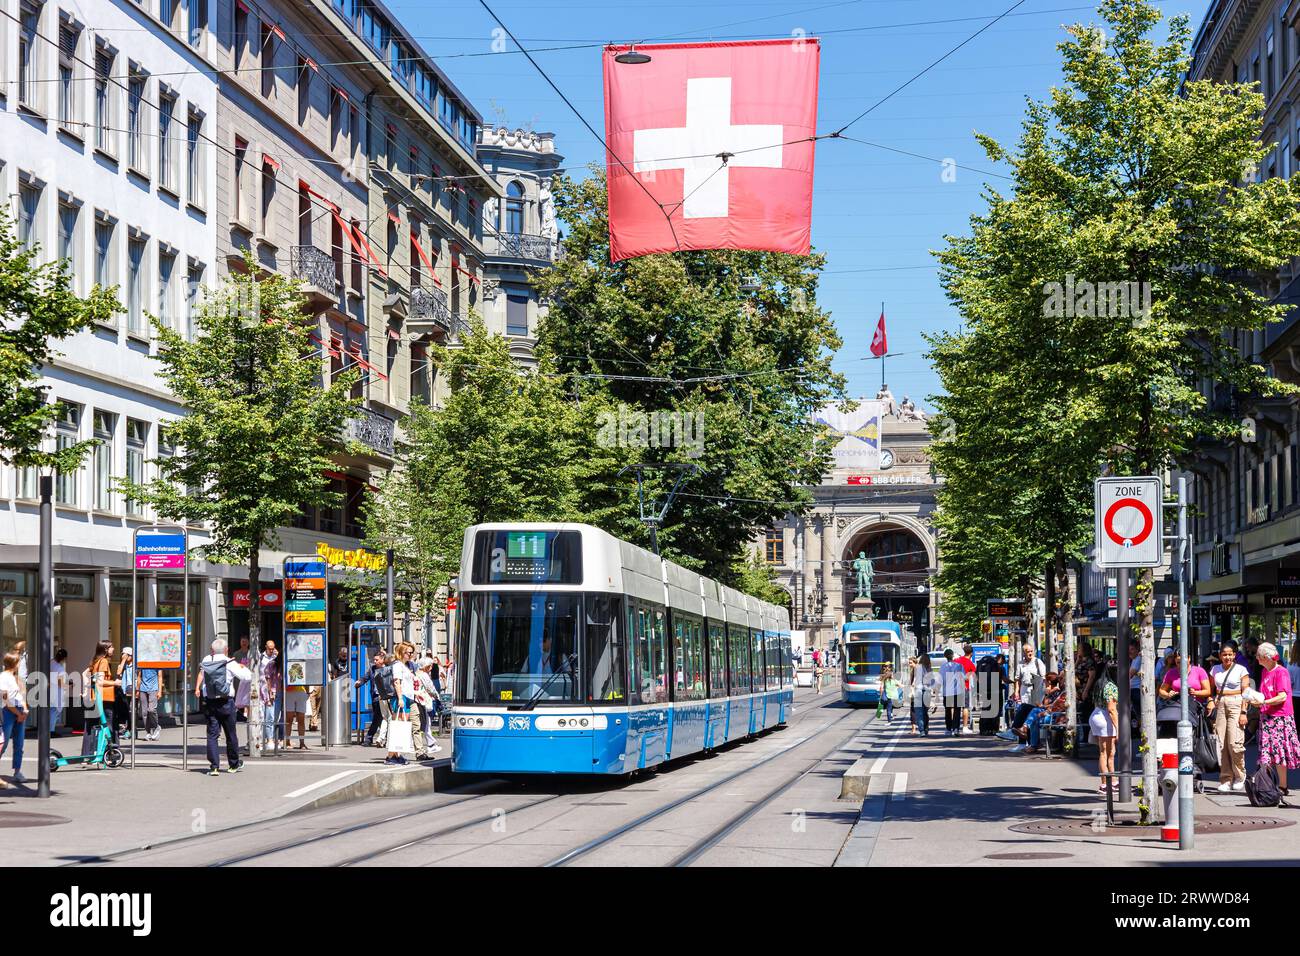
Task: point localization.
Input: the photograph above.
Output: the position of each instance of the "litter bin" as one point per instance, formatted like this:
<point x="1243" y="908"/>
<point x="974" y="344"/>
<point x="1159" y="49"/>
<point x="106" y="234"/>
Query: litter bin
<point x="336" y="711"/>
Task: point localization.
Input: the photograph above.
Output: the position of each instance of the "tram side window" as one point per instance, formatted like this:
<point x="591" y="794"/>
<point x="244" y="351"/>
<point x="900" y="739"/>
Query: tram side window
<point x="638" y="629"/>
<point x="717" y="660"/>
<point x="738" y="637"/>
<point x="606" y="650"/>
<point x="659" y="654"/>
<point x="756" y="642"/>
<point x="681" y="656"/>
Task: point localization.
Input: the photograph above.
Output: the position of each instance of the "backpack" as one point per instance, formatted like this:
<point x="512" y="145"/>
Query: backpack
<point x="216" y="679"/>
<point x="384" y="684"/>
<point x="1263" y="788"/>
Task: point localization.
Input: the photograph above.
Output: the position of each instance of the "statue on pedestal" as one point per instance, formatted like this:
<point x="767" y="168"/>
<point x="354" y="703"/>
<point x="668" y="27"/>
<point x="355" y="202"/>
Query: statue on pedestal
<point x="866" y="573"/>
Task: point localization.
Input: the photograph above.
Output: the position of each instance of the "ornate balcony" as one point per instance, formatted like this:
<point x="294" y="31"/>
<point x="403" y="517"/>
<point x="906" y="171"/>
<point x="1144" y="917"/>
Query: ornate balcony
<point x="373" y="430"/>
<point x="429" y="306"/>
<point x="315" y="269"/>
<point x="523" y="246"/>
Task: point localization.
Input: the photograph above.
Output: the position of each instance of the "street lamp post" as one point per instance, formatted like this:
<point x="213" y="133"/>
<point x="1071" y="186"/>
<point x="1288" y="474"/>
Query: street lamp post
<point x="45" y="635"/>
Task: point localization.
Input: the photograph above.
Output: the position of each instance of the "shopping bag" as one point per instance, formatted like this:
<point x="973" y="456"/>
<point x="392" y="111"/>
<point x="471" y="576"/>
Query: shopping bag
<point x="400" y="738"/>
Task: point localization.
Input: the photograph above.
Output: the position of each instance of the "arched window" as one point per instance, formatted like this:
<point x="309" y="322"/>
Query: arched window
<point x="515" y="209"/>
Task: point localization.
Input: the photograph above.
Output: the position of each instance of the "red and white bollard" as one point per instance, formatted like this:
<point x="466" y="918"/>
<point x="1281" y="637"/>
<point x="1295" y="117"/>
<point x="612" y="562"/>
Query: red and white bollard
<point x="1167" y="752"/>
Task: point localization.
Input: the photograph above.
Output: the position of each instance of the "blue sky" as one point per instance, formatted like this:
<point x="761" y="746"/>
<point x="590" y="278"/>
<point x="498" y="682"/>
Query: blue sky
<point x="876" y="214"/>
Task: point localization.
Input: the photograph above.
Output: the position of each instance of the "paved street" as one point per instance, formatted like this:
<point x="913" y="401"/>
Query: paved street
<point x="773" y="801"/>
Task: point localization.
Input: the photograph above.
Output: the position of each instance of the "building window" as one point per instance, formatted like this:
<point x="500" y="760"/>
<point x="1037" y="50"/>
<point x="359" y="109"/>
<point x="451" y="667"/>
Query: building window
<point x="337" y="109"/>
<point x="419" y="375"/>
<point x="357" y="265"/>
<point x="69" y="98"/>
<point x="266" y="41"/>
<point x="1284" y="155"/>
<point x="29" y="55"/>
<point x="354" y="134"/>
<point x="239" y="38"/>
<point x="304" y="89"/>
<point x="193" y="296"/>
<point x="102" y="460"/>
<point x="25" y="486"/>
<point x="135" y="149"/>
<point x="166" y="268"/>
<point x="105" y="133"/>
<point x="774" y="547"/>
<point x="167" y="161"/>
<point x="243" y="185"/>
<point x="69" y="214"/>
<point x="516" y="315"/>
<point x="105" y="275"/>
<point x="198" y="21"/>
<point x="268" y="196"/>
<point x="390" y="145"/>
<point x="391" y="364"/>
<point x="1269" y="81"/>
<point x="135" y="253"/>
<point x="195" y="151"/>
<point x="137" y="437"/>
<point x="29" y="206"/>
<point x="66" y="433"/>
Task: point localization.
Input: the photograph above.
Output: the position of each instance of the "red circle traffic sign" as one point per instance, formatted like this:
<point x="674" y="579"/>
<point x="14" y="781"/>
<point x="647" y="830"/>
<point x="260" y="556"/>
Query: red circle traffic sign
<point x="1148" y="522"/>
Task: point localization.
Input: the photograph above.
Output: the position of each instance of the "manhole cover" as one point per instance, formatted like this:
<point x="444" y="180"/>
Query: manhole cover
<point x="1204" y="824"/>
<point x="11" y="819"/>
<point x="1029" y="856"/>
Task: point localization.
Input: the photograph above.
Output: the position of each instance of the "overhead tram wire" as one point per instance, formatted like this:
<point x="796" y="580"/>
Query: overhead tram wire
<point x="576" y="112"/>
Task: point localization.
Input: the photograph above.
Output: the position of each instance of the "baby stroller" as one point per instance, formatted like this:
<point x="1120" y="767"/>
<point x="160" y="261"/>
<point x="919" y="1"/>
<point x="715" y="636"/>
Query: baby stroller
<point x="1205" y="744"/>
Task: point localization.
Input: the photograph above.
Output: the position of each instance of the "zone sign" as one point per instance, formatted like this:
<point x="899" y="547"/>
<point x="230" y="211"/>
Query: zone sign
<point x="1130" y="528"/>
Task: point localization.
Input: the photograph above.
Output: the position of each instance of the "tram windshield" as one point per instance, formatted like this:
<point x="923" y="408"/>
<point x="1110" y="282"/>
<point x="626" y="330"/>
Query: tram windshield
<point x="865" y="659"/>
<point x="523" y="647"/>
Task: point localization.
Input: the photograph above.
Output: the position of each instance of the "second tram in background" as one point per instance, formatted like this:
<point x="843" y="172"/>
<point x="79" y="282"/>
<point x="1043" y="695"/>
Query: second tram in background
<point x="865" y="648"/>
<point x="581" y="653"/>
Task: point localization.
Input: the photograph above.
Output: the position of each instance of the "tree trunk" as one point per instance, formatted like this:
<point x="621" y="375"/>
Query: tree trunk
<point x="1060" y="614"/>
<point x="1145" y="606"/>
<point x="1049" y="617"/>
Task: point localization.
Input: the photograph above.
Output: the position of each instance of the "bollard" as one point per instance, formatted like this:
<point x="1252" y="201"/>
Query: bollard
<point x="1167" y="751"/>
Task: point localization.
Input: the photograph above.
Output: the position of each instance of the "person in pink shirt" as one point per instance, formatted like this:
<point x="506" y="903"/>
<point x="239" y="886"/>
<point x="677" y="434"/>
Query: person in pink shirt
<point x="1198" y="682"/>
<point x="1279" y="743"/>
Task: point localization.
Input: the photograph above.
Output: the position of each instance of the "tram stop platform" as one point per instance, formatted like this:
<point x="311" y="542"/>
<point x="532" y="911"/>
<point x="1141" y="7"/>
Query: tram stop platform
<point x="98" y="812"/>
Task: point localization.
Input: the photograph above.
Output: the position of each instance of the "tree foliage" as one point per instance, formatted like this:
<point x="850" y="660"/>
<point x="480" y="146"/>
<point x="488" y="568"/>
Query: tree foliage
<point x="1128" y="187"/>
<point x="734" y="340"/>
<point x="38" y="307"/>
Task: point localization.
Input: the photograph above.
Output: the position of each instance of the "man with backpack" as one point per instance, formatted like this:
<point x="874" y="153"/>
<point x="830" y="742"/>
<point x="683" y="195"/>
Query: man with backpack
<point x="215" y="686"/>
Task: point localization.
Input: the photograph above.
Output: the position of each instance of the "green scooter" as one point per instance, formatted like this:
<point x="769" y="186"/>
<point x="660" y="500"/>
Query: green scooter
<point x="106" y="754"/>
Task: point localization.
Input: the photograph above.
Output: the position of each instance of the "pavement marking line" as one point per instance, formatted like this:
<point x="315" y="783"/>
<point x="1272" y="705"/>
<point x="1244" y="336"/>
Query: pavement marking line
<point x="879" y="765"/>
<point x="318" y="784"/>
<point x="900" y="785"/>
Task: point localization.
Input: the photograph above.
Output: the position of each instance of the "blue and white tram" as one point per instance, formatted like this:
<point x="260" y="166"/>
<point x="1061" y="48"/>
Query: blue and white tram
<point x="866" y="647"/>
<point x="581" y="653"/>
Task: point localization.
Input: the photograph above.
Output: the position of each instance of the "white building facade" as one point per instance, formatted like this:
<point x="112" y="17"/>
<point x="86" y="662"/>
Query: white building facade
<point x="106" y="160"/>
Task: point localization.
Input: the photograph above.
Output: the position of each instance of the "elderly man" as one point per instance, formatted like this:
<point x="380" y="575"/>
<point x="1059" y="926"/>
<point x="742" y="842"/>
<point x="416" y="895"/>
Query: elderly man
<point x="215" y="686"/>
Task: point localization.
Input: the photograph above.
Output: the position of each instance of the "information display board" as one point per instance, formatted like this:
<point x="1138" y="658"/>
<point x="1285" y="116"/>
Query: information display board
<point x="305" y="616"/>
<point x="160" y="643"/>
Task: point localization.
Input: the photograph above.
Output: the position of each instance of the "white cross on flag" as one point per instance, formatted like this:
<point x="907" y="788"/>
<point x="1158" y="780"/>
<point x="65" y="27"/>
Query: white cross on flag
<point x="711" y="147"/>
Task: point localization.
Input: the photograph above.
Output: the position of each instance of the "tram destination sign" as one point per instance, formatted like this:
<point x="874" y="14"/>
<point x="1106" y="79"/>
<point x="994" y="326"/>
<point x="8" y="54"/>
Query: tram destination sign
<point x="1129" y="525"/>
<point x="160" y="550"/>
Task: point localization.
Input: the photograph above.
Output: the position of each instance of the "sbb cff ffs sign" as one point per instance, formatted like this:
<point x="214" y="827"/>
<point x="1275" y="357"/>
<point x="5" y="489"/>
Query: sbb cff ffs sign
<point x="1130" y="527"/>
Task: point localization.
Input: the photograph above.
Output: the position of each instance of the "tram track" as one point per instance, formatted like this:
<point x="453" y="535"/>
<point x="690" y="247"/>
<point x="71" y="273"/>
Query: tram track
<point x="720" y="833"/>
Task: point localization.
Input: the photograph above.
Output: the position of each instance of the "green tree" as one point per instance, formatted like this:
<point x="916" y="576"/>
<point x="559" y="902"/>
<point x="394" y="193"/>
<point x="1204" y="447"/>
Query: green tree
<point x="507" y="445"/>
<point x="260" y="430"/>
<point x="729" y="347"/>
<point x="1132" y="223"/>
<point x="38" y="307"/>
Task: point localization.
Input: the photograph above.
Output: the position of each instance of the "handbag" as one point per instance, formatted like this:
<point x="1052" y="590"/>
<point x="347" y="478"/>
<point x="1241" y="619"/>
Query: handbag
<point x="400" y="737"/>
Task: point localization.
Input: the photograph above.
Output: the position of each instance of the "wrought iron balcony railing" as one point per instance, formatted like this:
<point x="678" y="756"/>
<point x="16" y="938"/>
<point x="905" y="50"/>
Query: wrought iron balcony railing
<point x="430" y="305"/>
<point x="523" y="246"/>
<point x="313" y="266"/>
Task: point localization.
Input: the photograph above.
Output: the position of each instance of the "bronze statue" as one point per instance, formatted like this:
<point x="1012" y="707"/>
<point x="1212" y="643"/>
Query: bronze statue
<point x="866" y="572"/>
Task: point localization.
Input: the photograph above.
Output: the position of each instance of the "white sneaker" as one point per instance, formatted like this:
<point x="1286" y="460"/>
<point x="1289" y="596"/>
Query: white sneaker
<point x="1239" y="786"/>
<point x="1225" y="787"/>
<point x="1018" y="748"/>
<point x="18" y="777"/>
<point x="435" y="749"/>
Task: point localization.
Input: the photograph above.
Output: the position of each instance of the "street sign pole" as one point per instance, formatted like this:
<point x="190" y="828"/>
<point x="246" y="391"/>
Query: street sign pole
<point x="45" y="635"/>
<point x="1124" y="741"/>
<point x="1186" y="763"/>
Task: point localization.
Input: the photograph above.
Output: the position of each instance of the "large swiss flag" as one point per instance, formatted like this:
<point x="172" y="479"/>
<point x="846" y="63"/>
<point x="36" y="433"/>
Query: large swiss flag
<point x="711" y="146"/>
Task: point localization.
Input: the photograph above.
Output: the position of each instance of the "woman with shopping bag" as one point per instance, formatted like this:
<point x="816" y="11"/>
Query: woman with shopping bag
<point x="401" y="740"/>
